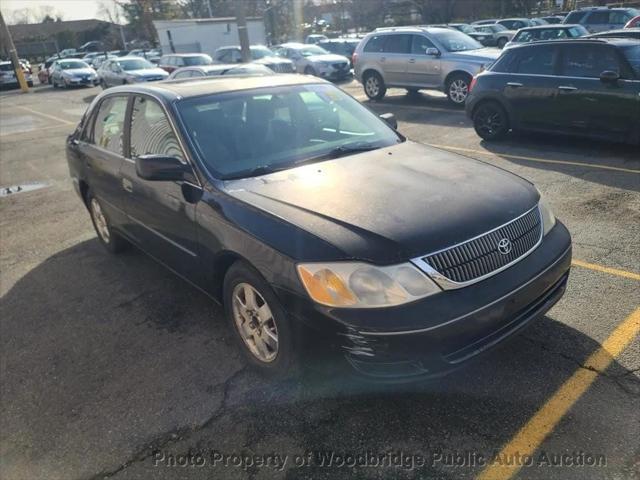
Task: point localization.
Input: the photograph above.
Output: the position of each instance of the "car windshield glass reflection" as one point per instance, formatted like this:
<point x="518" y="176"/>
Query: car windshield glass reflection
<point x="199" y="60"/>
<point x="135" y="64"/>
<point x="312" y="50"/>
<point x="260" y="52"/>
<point x="455" y="41"/>
<point x="260" y="131"/>
<point x="73" y="65"/>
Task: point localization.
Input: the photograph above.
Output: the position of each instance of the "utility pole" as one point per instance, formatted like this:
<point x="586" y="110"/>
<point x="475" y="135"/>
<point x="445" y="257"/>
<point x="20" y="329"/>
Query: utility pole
<point x="243" y="35"/>
<point x="14" y="55"/>
<point x="209" y="8"/>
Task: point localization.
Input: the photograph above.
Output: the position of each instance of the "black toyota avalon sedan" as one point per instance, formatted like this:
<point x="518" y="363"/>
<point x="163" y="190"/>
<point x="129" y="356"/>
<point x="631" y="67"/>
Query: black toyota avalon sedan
<point x="324" y="233"/>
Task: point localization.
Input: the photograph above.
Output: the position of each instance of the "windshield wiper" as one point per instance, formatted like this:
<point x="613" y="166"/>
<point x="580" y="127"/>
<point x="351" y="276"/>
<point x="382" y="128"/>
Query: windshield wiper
<point x="349" y="149"/>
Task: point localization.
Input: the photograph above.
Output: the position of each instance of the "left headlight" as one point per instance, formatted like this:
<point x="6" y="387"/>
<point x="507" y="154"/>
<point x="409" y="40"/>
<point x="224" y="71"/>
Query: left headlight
<point x="548" y="218"/>
<point x="361" y="285"/>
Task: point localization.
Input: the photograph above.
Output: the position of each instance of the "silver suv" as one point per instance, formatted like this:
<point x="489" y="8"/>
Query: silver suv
<point x="420" y="57"/>
<point x="599" y="19"/>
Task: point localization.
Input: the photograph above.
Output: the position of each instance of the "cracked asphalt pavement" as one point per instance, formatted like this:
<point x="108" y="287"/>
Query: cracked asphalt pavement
<point x="112" y="367"/>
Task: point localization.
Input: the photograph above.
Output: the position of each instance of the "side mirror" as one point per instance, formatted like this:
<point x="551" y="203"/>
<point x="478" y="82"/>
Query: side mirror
<point x="609" y="76"/>
<point x="433" y="52"/>
<point x="160" y="168"/>
<point x="390" y="118"/>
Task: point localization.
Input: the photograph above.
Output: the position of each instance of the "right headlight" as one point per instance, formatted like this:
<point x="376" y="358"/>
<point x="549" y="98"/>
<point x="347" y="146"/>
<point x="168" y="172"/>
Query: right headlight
<point x="548" y="218"/>
<point x="361" y="285"/>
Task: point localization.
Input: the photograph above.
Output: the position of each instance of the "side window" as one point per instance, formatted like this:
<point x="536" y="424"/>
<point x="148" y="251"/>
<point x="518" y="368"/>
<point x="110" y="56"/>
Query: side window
<point x="597" y="18"/>
<point x="236" y="56"/>
<point x="398" y="43"/>
<point x="419" y="45"/>
<point x="575" y="17"/>
<point x="151" y="132"/>
<point x="619" y="17"/>
<point x="375" y="44"/>
<point x="185" y="74"/>
<point x="109" y="124"/>
<point x="589" y="61"/>
<point x="526" y="36"/>
<point x="537" y="61"/>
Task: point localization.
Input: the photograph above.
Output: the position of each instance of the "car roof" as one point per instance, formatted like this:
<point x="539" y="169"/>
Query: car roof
<point x="174" y="90"/>
<point x="237" y="47"/>
<point x="512" y="18"/>
<point x="195" y="54"/>
<point x="556" y="26"/>
<point x="622" y="42"/>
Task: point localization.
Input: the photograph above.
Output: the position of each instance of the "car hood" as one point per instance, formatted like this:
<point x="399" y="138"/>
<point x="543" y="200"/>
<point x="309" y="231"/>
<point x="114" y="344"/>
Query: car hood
<point x="79" y="71"/>
<point x="331" y="57"/>
<point x="392" y="204"/>
<point x="272" y="61"/>
<point x="147" y="72"/>
<point x="479" y="55"/>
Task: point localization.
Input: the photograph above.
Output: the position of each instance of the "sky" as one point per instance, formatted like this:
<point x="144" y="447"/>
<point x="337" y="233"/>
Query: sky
<point x="70" y="9"/>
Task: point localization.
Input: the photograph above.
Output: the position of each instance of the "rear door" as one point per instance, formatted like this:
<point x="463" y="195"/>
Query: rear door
<point x="422" y="69"/>
<point x="592" y="106"/>
<point x="103" y="149"/>
<point x="161" y="214"/>
<point x="395" y="58"/>
<point x="532" y="88"/>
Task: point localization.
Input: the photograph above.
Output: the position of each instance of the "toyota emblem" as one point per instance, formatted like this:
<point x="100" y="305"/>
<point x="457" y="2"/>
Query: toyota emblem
<point x="504" y="246"/>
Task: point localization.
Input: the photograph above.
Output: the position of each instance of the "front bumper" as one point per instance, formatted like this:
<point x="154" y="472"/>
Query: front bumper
<point x="433" y="336"/>
<point x="333" y="73"/>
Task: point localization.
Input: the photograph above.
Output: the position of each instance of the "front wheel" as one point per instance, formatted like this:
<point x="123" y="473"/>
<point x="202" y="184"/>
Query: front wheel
<point x="259" y="321"/>
<point x="458" y="89"/>
<point x="502" y="42"/>
<point x="374" y="86"/>
<point x="490" y="121"/>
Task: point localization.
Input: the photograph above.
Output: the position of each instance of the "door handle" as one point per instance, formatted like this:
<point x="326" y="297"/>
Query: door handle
<point x="127" y="185"/>
<point x="412" y="60"/>
<point x="514" y="84"/>
<point x="567" y="88"/>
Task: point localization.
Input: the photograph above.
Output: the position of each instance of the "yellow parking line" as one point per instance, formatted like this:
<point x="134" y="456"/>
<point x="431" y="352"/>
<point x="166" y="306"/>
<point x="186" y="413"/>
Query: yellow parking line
<point x="50" y="117"/>
<point x="535" y="159"/>
<point x="531" y="436"/>
<point x="609" y="270"/>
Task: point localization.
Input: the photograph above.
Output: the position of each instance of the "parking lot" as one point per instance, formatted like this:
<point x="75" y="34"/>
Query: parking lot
<point x="112" y="367"/>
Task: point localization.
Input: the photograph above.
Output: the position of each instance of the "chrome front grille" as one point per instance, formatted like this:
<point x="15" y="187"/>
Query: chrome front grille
<point x="480" y="257"/>
<point x="281" y="67"/>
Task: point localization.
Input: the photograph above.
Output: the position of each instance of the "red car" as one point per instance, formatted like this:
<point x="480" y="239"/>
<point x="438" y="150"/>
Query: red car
<point x="633" y="23"/>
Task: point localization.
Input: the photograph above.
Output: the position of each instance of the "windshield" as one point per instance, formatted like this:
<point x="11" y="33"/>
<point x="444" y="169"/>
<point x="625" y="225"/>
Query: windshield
<point x="312" y="50"/>
<point x="72" y="65"/>
<point x="632" y="52"/>
<point x="260" y="52"/>
<point x="198" y="60"/>
<point x="497" y="27"/>
<point x="455" y="41"/>
<point x="134" y="64"/>
<point x="253" y="132"/>
<point x="466" y="28"/>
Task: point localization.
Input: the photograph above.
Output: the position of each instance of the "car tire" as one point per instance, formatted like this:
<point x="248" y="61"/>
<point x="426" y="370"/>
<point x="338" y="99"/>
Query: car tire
<point x="30" y="84"/>
<point x="374" y="86"/>
<point x="54" y="84"/>
<point x="457" y="89"/>
<point x="109" y="239"/>
<point x="103" y="85"/>
<point x="490" y="121"/>
<point x="264" y="334"/>
<point x="502" y="42"/>
<point x="309" y="71"/>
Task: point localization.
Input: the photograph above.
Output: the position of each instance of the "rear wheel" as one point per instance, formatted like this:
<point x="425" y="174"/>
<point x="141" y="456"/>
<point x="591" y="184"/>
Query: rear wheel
<point x="258" y="320"/>
<point x="113" y="242"/>
<point x="490" y="121"/>
<point x="374" y="86"/>
<point x="458" y="89"/>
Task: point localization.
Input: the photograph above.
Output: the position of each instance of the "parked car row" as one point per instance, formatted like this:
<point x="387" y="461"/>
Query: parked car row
<point x="8" y="76"/>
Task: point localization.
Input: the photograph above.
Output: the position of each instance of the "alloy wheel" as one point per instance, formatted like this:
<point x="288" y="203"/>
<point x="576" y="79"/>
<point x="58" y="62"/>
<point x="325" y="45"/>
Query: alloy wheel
<point x="372" y="86"/>
<point x="489" y="121"/>
<point x="255" y="322"/>
<point x="458" y="91"/>
<point x="100" y="221"/>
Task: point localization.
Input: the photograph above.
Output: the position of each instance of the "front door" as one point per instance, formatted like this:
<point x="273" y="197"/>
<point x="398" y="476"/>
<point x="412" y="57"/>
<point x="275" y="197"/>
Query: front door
<point x="161" y="214"/>
<point x="422" y="69"/>
<point x="595" y="107"/>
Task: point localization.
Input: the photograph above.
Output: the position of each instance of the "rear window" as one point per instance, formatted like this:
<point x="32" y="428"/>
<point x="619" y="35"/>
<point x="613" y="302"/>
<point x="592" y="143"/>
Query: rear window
<point x="575" y="17"/>
<point x="597" y="18"/>
<point x="375" y="44"/>
<point x="199" y="60"/>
